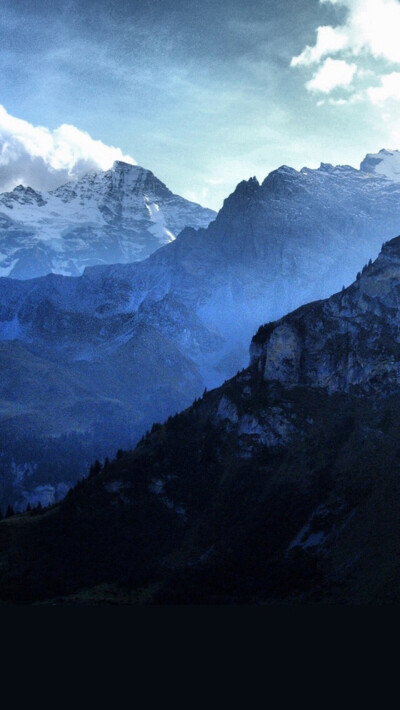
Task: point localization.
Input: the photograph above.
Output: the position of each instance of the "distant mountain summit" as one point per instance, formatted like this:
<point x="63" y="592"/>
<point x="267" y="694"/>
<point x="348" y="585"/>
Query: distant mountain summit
<point x="385" y="163"/>
<point x="120" y="215"/>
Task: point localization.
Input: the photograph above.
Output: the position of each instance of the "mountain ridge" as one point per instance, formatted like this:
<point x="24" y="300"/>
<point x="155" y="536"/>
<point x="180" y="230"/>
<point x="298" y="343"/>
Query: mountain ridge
<point x="272" y="248"/>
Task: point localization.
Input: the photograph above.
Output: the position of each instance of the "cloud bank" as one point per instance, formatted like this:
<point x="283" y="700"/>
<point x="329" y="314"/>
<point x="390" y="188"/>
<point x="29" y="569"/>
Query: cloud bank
<point x="370" y="37"/>
<point x="44" y="158"/>
<point x="372" y="26"/>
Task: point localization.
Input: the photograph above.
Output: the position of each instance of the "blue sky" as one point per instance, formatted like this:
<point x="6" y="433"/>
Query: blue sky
<point x="205" y="94"/>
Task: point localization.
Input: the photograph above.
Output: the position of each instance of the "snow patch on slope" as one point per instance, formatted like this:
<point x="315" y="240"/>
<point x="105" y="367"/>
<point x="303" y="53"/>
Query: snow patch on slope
<point x="386" y="163"/>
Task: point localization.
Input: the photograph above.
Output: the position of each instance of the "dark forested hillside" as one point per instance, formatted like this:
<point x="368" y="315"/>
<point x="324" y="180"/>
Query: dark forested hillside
<point x="281" y="486"/>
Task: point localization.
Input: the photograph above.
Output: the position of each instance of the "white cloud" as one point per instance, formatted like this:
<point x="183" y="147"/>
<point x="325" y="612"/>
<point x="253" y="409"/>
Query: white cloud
<point x="371" y="26"/>
<point x="334" y="102"/>
<point x="389" y="89"/>
<point x="329" y="41"/>
<point x="332" y="74"/>
<point x="370" y="31"/>
<point x="44" y="158"/>
<point x="374" y="27"/>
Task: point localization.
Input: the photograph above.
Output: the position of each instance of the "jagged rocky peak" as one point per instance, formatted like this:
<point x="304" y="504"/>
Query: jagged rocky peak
<point x="126" y="176"/>
<point x="122" y="166"/>
<point x="329" y="169"/>
<point x="385" y="163"/>
<point x="237" y="204"/>
<point x="324" y="166"/>
<point x="247" y="187"/>
<point x="348" y="342"/>
<point x="284" y="181"/>
<point x="119" y="215"/>
<point x="23" y="190"/>
<point x="283" y="172"/>
<point x="280" y="182"/>
<point x="22" y="195"/>
<point x="123" y="177"/>
<point x="244" y="191"/>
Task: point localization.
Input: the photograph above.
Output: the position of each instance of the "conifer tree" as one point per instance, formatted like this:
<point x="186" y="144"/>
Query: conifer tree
<point x="95" y="468"/>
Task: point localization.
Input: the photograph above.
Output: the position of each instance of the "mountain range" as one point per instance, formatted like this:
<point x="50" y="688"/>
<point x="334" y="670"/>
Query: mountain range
<point x="101" y="356"/>
<point x="120" y="215"/>
<point x="279" y="487"/>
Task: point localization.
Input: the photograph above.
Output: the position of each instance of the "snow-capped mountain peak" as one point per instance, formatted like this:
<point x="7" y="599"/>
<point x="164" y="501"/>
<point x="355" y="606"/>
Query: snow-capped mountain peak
<point x="118" y="215"/>
<point x="22" y="195"/>
<point x="136" y="178"/>
<point x="385" y="163"/>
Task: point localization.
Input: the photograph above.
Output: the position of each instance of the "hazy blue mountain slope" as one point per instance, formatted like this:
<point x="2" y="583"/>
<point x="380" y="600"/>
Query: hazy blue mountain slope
<point x="281" y="486"/>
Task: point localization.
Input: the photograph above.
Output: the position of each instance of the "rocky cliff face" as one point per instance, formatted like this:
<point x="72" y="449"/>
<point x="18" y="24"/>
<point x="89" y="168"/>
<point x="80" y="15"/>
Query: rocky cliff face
<point x="350" y="342"/>
<point x="120" y="215"/>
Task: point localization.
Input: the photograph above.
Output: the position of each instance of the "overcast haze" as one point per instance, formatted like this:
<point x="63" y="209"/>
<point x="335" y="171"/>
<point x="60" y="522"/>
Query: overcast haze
<point x="205" y="94"/>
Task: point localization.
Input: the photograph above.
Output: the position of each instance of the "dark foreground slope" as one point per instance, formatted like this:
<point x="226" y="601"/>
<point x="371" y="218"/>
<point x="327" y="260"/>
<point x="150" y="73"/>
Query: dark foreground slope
<point x="281" y="486"/>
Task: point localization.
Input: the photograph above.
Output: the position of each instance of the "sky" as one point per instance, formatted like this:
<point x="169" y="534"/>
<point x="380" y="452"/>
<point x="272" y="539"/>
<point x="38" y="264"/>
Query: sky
<point x="203" y="93"/>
